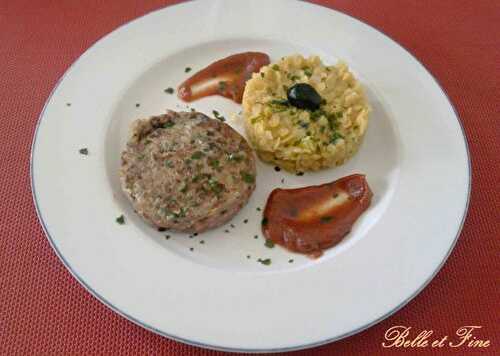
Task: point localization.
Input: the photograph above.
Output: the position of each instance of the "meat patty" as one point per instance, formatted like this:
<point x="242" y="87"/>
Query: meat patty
<point x="186" y="171"/>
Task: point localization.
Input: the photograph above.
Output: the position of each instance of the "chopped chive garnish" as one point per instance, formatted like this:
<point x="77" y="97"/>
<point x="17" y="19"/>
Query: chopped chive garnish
<point x="269" y="243"/>
<point x="265" y="262"/>
<point x="168" y="124"/>
<point x="326" y="219"/>
<point x="247" y="177"/>
<point x="197" y="155"/>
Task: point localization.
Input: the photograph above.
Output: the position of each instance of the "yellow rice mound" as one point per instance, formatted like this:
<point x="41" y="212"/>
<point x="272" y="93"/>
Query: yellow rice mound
<point x="298" y="139"/>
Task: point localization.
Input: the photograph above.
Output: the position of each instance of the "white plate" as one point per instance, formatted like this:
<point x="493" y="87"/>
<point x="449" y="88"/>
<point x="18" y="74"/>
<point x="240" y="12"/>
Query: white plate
<point x="414" y="155"/>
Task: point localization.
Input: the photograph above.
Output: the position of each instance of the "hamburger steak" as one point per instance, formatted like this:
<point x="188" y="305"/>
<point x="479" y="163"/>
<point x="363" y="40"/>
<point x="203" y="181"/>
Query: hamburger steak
<point x="186" y="171"/>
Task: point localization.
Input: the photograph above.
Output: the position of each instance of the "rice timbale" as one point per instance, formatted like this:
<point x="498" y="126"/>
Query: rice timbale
<point x="300" y="139"/>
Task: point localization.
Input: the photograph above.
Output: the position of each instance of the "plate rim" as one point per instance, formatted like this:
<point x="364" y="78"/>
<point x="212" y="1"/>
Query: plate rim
<point x="144" y="325"/>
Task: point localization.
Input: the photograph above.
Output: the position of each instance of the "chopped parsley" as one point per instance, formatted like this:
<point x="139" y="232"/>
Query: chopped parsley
<point x="304" y="125"/>
<point x="258" y="208"/>
<point x="307" y="71"/>
<point x="202" y="242"/>
<point x="167" y="237"/>
<point x="187" y="69"/>
<point x="247" y="177"/>
<point x="300" y="173"/>
<point x="336" y="136"/>
<point x="184" y="188"/>
<point x="282" y="102"/>
<point x="275" y="67"/>
<point x="326" y="219"/>
<point x="169" y="90"/>
<point x="168" y="124"/>
<point x="137" y="105"/>
<point x="265" y="262"/>
<point x="218" y="116"/>
<point x="262" y="74"/>
<point x="120" y="220"/>
<point x="215" y="186"/>
<point x="245" y="221"/>
<point x="214" y="163"/>
<point x="316" y="114"/>
<point x="169" y="163"/>
<point x="197" y="155"/>
<point x="277" y="169"/>
<point x="234" y="157"/>
<point x="269" y="243"/>
<point x="255" y="236"/>
<point x="264" y="221"/>
<point x="222" y="86"/>
<point x="290" y="260"/>
<point x="84" y="151"/>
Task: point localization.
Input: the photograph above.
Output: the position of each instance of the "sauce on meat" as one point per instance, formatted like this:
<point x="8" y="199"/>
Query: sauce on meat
<point x="225" y="77"/>
<point x="311" y="219"/>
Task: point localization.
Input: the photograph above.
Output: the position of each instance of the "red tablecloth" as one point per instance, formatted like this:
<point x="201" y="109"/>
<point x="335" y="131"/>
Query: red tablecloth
<point x="43" y="310"/>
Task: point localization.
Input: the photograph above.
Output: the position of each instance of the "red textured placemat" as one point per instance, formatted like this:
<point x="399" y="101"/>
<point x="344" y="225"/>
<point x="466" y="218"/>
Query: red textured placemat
<point x="43" y="310"/>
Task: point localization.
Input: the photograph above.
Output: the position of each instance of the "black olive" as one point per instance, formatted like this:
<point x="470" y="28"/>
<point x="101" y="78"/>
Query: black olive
<point x="304" y="96"/>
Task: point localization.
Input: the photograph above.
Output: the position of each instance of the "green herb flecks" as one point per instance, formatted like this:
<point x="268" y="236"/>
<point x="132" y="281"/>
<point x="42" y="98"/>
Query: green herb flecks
<point x="222" y="86"/>
<point x="234" y="157"/>
<point x="215" y="186"/>
<point x="265" y="262"/>
<point x="307" y="71"/>
<point x="218" y="116"/>
<point x="214" y="163"/>
<point x="335" y="136"/>
<point x="247" y="177"/>
<point x="275" y="67"/>
<point x="326" y="219"/>
<point x="169" y="90"/>
<point x="169" y="163"/>
<point x="187" y="69"/>
<point x="197" y="155"/>
<point x="184" y="188"/>
<point x="120" y="220"/>
<point x="83" y="151"/>
<point x="168" y="124"/>
<point x="269" y="243"/>
<point x="264" y="222"/>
